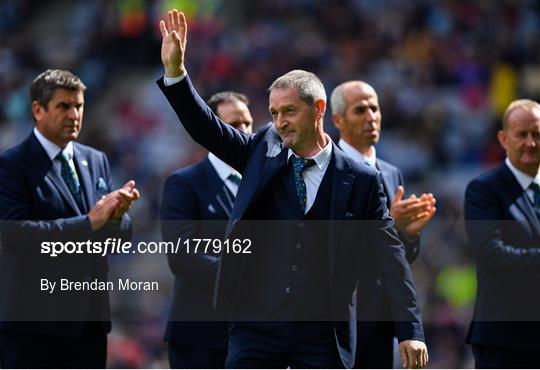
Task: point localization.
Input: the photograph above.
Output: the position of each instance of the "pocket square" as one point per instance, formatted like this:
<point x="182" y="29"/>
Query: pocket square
<point x="101" y="186"/>
<point x="349" y="215"/>
<point x="273" y="151"/>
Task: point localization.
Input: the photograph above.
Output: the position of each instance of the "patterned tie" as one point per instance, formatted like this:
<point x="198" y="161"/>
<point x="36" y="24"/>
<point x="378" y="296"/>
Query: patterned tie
<point x="536" y="191"/>
<point x="70" y="177"/>
<point x="299" y="165"/>
<point x="234" y="177"/>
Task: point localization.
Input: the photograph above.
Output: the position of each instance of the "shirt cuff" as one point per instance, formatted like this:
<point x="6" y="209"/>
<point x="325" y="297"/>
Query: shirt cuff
<point x="168" y="81"/>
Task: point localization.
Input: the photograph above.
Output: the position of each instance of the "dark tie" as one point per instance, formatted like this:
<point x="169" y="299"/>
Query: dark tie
<point x="70" y="177"/>
<point x="234" y="177"/>
<point x="299" y="165"/>
<point x="536" y="191"/>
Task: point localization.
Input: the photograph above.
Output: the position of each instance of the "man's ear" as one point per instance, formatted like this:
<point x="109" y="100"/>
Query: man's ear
<point x="37" y="110"/>
<point x="501" y="136"/>
<point x="336" y="118"/>
<point x="320" y="107"/>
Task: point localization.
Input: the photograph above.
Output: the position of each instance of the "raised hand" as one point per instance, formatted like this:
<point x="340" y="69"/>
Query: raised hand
<point x="173" y="44"/>
<point x="412" y="214"/>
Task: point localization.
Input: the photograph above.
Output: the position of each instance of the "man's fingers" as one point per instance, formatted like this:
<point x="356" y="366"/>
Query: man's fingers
<point x="183" y="26"/>
<point x="136" y="193"/>
<point x="175" y="37"/>
<point x="399" y="195"/>
<point x="419" y="216"/>
<point x="412" y="356"/>
<point x="163" y="29"/>
<point x="111" y="203"/>
<point x="175" y="20"/>
<point x="404" y="358"/>
<point x="421" y="359"/>
<point x="130" y="196"/>
<point x="169" y="21"/>
<point x="412" y="210"/>
<point x="130" y="184"/>
<point x="407" y="202"/>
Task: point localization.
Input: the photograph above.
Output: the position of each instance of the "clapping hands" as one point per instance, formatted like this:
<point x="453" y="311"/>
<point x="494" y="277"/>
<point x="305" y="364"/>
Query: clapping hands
<point x="411" y="215"/>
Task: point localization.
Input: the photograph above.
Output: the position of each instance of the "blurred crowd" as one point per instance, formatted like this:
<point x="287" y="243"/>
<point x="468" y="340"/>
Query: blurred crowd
<point x="444" y="71"/>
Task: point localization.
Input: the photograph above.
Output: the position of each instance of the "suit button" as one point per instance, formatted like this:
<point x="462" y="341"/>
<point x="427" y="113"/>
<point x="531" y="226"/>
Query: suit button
<point x="300" y="224"/>
<point x="294" y="267"/>
<point x="298" y="245"/>
<point x="288" y="289"/>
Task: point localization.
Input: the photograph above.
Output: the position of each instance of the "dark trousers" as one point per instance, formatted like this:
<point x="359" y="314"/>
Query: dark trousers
<point x="376" y="350"/>
<point x="194" y="357"/>
<point x="281" y="344"/>
<point x="30" y="351"/>
<point x="488" y="357"/>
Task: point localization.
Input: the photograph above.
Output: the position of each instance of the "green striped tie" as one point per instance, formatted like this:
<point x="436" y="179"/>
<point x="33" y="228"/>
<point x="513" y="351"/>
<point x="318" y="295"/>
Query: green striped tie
<point x="299" y="165"/>
<point x="70" y="177"/>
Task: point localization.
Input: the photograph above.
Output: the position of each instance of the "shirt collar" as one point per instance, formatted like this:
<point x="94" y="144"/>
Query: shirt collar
<point x="322" y="159"/>
<point x="356" y="155"/>
<point x="223" y="169"/>
<point x="51" y="148"/>
<point x="523" y="179"/>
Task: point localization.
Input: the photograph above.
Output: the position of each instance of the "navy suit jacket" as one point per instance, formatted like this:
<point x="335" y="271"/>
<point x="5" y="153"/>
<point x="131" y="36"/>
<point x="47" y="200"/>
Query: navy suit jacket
<point x="37" y="206"/>
<point x="195" y="204"/>
<point x="357" y="194"/>
<point x="391" y="179"/>
<point x="504" y="232"/>
<point x="378" y="307"/>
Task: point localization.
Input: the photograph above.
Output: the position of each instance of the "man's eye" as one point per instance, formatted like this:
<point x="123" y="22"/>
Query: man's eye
<point x="361" y="110"/>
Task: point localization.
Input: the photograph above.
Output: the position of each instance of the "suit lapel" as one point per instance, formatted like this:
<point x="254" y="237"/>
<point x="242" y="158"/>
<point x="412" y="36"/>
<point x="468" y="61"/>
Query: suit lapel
<point x="85" y="178"/>
<point x="521" y="198"/>
<point x="389" y="186"/>
<point x="342" y="184"/>
<point x="249" y="191"/>
<point x="218" y="190"/>
<point x="41" y="159"/>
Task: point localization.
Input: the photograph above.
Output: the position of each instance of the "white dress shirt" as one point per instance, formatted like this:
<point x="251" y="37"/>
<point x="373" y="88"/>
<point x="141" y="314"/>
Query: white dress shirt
<point x="168" y="81"/>
<point x="224" y="171"/>
<point x="52" y="151"/>
<point x="356" y="156"/>
<point x="523" y="179"/>
<point x="313" y="175"/>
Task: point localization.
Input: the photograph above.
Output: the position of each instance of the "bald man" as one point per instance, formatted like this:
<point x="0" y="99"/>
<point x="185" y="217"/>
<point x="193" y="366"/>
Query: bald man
<point x="357" y="116"/>
<point x="502" y="212"/>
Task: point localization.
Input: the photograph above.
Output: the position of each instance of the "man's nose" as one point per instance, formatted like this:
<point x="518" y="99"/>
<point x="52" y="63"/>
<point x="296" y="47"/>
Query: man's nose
<point x="243" y="127"/>
<point x="531" y="141"/>
<point x="279" y="121"/>
<point x="73" y="114"/>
